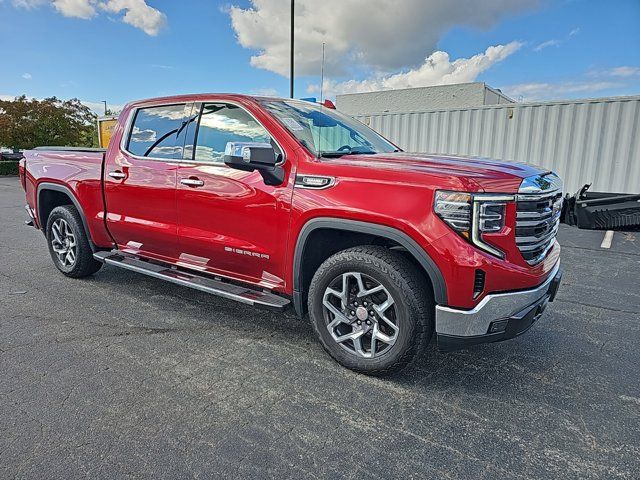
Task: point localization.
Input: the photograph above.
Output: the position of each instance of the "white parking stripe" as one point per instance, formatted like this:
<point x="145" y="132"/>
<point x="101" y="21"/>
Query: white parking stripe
<point x="608" y="238"/>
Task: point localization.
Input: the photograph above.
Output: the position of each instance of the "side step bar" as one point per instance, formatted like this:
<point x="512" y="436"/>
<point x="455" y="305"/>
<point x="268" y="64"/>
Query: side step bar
<point x="231" y="291"/>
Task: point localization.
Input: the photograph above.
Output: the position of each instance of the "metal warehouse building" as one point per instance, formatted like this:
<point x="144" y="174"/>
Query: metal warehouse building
<point x="585" y="141"/>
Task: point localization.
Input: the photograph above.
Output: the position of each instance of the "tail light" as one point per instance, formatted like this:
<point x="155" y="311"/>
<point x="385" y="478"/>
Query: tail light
<point x="22" y="171"/>
<point x="472" y="215"/>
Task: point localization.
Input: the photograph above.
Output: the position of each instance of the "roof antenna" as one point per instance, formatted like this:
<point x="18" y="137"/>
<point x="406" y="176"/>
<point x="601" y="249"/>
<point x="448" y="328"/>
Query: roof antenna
<point x="322" y="74"/>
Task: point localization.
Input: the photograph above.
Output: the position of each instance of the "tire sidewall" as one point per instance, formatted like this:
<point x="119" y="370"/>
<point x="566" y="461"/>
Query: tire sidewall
<point x="404" y="314"/>
<point x="84" y="263"/>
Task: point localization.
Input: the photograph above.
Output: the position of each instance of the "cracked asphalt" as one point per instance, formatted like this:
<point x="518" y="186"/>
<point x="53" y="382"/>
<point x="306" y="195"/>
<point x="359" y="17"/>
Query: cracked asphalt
<point x="124" y="376"/>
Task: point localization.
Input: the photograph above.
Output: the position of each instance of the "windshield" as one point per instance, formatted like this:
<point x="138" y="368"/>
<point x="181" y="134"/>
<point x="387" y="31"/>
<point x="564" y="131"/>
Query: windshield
<point x="325" y="132"/>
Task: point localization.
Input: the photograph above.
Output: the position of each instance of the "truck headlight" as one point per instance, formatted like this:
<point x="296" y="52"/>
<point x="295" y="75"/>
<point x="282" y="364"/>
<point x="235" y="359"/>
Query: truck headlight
<point x="472" y="215"/>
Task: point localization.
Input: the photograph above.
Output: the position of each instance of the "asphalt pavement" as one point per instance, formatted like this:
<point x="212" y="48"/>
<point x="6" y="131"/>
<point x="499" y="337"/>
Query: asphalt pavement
<point x="123" y="376"/>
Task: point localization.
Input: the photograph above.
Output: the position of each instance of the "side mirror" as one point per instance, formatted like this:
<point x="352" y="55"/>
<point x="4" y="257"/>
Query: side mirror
<point x="251" y="156"/>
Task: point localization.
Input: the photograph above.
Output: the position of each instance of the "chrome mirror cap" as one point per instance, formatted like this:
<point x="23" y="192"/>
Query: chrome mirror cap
<point x="243" y="149"/>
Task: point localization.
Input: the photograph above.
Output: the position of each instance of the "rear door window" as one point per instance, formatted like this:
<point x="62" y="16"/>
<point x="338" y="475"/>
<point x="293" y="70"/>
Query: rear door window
<point x="158" y="132"/>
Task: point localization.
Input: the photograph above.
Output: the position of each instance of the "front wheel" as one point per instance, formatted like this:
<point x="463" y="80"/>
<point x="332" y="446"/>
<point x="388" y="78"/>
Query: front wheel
<point x="371" y="309"/>
<point x="68" y="243"/>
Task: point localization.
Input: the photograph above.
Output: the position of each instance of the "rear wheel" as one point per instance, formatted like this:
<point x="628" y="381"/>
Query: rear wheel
<point x="371" y="309"/>
<point x="68" y="243"/>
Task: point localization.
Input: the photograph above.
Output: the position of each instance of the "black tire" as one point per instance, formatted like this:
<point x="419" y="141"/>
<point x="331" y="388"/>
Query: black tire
<point x="83" y="263"/>
<point x="414" y="307"/>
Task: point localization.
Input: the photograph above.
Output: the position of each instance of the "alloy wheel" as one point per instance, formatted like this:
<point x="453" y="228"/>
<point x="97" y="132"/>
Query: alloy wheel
<point x="64" y="242"/>
<point x="361" y="314"/>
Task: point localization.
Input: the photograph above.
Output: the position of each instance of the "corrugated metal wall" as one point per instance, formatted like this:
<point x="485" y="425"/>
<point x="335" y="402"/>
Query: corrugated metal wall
<point x="585" y="141"/>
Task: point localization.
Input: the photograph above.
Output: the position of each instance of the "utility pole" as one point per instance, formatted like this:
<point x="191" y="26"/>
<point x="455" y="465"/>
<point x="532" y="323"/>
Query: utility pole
<point x="291" y="73"/>
<point x="105" y="107"/>
<point x="322" y="73"/>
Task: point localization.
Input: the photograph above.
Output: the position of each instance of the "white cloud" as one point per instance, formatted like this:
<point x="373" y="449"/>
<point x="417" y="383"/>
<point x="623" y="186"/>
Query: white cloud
<point x="138" y="14"/>
<point x="147" y="135"/>
<point x="625" y="71"/>
<point x="75" y="8"/>
<point x="437" y="69"/>
<point x="27" y="76"/>
<point x="548" y="43"/>
<point x="381" y="35"/>
<point x="28" y="4"/>
<point x="554" y="42"/>
<point x="265" y="92"/>
<point x="556" y="91"/>
<point x="98" y="107"/>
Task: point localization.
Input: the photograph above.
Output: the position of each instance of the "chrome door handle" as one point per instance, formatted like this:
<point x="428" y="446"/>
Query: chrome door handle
<point x="117" y="175"/>
<point x="192" y="182"/>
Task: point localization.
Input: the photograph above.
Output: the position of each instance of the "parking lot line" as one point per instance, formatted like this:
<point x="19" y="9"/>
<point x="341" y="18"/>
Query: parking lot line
<point x="608" y="238"/>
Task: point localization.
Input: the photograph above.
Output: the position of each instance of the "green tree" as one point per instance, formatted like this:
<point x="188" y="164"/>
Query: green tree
<point x="28" y="123"/>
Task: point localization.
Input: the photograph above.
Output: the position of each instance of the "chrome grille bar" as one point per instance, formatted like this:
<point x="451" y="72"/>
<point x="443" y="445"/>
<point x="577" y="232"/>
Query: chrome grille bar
<point x="538" y="216"/>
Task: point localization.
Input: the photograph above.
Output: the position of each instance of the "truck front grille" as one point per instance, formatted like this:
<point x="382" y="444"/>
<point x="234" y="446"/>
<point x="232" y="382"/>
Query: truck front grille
<point x="538" y="218"/>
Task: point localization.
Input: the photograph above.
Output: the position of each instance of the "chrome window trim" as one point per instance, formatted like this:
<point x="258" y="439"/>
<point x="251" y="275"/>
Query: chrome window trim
<point x="134" y="110"/>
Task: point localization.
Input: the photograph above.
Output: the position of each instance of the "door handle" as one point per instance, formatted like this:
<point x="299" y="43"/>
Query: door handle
<point x="118" y="175"/>
<point x="192" y="182"/>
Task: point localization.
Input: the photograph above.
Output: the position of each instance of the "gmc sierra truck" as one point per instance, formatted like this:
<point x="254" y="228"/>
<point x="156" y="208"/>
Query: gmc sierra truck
<point x="277" y="203"/>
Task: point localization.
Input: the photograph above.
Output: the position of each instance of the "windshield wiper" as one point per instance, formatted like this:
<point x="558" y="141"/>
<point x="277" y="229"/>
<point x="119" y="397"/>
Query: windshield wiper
<point x="339" y="153"/>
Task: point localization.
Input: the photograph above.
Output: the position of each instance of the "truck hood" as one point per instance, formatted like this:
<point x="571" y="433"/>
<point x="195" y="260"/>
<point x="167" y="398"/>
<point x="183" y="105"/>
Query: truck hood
<point x="490" y="175"/>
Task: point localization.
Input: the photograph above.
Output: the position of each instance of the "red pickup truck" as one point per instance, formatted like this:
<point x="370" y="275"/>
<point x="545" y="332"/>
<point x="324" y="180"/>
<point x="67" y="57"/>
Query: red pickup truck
<point x="274" y="202"/>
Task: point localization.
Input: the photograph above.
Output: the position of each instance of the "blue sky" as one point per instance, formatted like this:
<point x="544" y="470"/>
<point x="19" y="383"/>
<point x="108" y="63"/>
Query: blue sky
<point x="120" y="50"/>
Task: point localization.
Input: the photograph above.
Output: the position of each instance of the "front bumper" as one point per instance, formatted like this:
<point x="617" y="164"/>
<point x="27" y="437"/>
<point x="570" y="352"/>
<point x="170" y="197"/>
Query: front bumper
<point x="497" y="317"/>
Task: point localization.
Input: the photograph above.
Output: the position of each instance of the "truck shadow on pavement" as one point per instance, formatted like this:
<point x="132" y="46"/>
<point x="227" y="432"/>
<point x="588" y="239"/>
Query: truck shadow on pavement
<point x="153" y="307"/>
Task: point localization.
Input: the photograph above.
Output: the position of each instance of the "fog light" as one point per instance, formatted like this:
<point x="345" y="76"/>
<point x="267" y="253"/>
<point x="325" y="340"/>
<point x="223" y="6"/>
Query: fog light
<point x="498" y="327"/>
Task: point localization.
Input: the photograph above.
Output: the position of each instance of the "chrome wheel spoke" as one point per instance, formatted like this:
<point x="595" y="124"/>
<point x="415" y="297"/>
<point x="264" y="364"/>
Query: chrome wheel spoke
<point x="378" y="335"/>
<point x="355" y="335"/>
<point x="55" y="230"/>
<point x="342" y="295"/>
<point x="338" y="316"/>
<point x="357" y="345"/>
<point x="362" y="289"/>
<point x="380" y="309"/>
<point x="389" y="323"/>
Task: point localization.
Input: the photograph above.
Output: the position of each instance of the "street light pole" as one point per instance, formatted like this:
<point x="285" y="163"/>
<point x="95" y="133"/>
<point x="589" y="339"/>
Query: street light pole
<point x="322" y="74"/>
<point x="291" y="63"/>
<point x="105" y="107"/>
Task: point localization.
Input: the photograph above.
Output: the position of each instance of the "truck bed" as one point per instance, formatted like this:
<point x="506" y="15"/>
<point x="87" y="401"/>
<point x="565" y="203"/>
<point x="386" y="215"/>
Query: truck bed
<point x="76" y="172"/>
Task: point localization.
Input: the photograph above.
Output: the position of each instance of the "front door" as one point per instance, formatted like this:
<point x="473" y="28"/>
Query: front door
<point x="140" y="182"/>
<point x="229" y="222"/>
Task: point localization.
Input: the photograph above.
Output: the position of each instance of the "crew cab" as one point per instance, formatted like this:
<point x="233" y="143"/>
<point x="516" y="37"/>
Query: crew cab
<point x="282" y="203"/>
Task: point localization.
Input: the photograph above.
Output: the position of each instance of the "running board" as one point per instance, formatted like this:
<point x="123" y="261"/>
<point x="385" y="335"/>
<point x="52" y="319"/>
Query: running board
<point x="231" y="291"/>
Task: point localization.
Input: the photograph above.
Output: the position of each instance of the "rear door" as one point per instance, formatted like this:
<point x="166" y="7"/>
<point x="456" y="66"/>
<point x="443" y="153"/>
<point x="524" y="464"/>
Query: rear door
<point x="229" y="222"/>
<point x="140" y="181"/>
